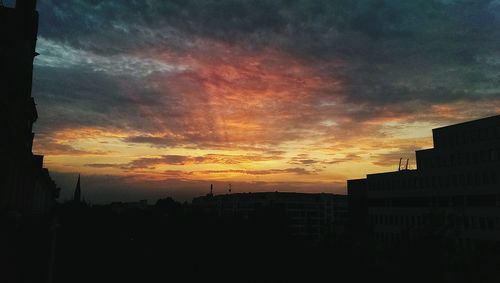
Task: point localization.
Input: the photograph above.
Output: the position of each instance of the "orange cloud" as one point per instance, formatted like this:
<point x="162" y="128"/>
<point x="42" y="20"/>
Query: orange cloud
<point x="236" y="114"/>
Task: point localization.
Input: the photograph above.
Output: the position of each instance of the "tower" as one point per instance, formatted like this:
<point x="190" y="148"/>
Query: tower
<point x="78" y="191"/>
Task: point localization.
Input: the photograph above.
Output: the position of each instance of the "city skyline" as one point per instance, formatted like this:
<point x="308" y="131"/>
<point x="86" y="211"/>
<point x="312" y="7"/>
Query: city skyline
<point x="143" y="139"/>
<point x="165" y="97"/>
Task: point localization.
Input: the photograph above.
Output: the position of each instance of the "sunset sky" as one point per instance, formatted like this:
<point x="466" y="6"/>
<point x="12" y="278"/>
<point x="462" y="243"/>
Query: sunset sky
<point x="157" y="98"/>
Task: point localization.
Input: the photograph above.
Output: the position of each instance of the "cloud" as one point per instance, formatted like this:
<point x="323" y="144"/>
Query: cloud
<point x="257" y="83"/>
<point x="64" y="149"/>
<point x="347" y="158"/>
<point x="303" y="159"/>
<point x="50" y="146"/>
<point x="61" y="55"/>
<point x="180" y="58"/>
<point x="152" y="162"/>
<point x="295" y="170"/>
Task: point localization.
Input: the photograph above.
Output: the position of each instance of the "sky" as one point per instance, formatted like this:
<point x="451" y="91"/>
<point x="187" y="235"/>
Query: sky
<point x="156" y="98"/>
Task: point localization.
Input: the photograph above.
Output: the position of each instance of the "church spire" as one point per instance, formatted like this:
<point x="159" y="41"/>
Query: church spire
<point x="78" y="191"/>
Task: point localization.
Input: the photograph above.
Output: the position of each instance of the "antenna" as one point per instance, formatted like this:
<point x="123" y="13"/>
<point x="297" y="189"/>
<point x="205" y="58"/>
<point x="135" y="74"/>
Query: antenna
<point x="406" y="166"/>
<point x="211" y="190"/>
<point x="399" y="167"/>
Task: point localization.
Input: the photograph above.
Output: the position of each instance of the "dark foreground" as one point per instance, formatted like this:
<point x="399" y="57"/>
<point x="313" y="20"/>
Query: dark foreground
<point x="174" y="242"/>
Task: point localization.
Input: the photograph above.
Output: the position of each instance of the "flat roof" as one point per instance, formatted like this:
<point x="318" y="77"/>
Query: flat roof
<point x="272" y="194"/>
<point x="400" y="172"/>
<point x="468" y="123"/>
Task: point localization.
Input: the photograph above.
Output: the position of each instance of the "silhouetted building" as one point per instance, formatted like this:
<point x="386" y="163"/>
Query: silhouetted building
<point x="307" y="215"/>
<point x="358" y="209"/>
<point x="454" y="193"/>
<point x="27" y="192"/>
<point x="25" y="186"/>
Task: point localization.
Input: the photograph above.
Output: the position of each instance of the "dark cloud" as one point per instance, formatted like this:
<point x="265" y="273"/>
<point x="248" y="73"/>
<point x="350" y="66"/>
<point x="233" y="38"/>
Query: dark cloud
<point x="64" y="149"/>
<point x="316" y="26"/>
<point x="303" y="159"/>
<point x="46" y="145"/>
<point x="152" y="162"/>
<point x="295" y="170"/>
<point x="348" y="158"/>
<point x="395" y="53"/>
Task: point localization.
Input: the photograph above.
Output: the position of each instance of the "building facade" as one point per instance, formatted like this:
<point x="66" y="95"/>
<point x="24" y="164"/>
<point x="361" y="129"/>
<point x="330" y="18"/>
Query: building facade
<point x="454" y="193"/>
<point x="25" y="186"/>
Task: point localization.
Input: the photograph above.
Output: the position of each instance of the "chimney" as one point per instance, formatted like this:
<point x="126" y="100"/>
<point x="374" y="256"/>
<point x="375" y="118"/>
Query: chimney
<point x="26" y="5"/>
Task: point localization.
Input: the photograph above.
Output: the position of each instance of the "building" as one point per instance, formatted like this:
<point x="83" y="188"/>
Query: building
<point x="307" y="215"/>
<point x="25" y="186"/>
<point x="454" y="193"/>
<point x="27" y="192"/>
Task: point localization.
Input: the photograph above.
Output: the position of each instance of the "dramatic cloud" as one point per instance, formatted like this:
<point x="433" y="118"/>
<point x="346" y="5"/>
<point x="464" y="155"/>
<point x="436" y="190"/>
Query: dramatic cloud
<point x="256" y="91"/>
<point x="151" y="162"/>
